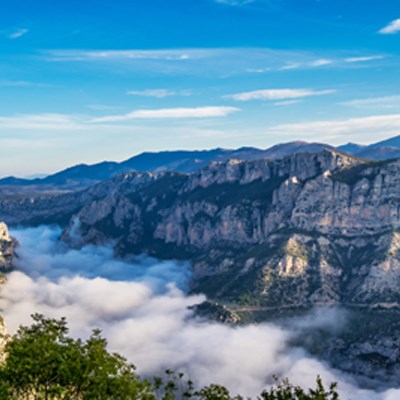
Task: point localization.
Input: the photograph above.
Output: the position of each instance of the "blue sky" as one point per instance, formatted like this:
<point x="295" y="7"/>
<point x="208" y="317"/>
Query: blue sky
<point x="84" y="81"/>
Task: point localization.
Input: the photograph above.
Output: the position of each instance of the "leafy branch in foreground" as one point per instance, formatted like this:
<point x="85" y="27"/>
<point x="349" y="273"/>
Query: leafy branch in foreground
<point x="43" y="363"/>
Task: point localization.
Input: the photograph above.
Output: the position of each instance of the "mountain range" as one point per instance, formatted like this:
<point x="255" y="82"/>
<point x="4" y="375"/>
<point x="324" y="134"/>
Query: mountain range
<point x="310" y="228"/>
<point x="82" y="176"/>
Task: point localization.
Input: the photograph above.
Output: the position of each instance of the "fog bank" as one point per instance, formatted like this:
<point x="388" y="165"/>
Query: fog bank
<point x="142" y="308"/>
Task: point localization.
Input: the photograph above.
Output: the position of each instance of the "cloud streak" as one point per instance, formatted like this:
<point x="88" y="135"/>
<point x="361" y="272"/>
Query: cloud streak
<point x="278" y="94"/>
<point x="18" y="34"/>
<point x="235" y="2"/>
<point x="352" y="60"/>
<point x="158" y="93"/>
<point x="206" y="60"/>
<point x="44" y="121"/>
<point x="112" y="55"/>
<point x="374" y="102"/>
<point x="171" y="113"/>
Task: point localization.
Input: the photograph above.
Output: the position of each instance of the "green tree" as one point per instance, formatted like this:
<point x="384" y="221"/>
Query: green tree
<point x="43" y="363"/>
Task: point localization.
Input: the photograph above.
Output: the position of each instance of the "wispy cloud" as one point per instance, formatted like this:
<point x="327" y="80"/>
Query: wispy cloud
<point x="235" y="2"/>
<point x="290" y="65"/>
<point x="16" y="83"/>
<point x="392" y="28"/>
<point x="18" y="33"/>
<point x="321" y="62"/>
<point x="159" y="93"/>
<point x="339" y="130"/>
<point x="207" y="61"/>
<point x="374" y="102"/>
<point x="287" y="103"/>
<point x="80" y="122"/>
<point x="278" y="94"/>
<point x="53" y="122"/>
<point x="109" y="55"/>
<point x="171" y="113"/>
<point x="363" y="59"/>
<point x="258" y="70"/>
<point x="102" y="107"/>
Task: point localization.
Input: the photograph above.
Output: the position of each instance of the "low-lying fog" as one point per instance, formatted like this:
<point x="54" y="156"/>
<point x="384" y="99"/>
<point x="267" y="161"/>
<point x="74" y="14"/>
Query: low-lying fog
<point x="142" y="308"/>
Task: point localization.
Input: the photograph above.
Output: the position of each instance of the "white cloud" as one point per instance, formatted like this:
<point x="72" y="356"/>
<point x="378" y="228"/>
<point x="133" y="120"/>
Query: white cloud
<point x="338" y="130"/>
<point x="321" y="62"/>
<point x="287" y="103"/>
<point x="278" y="94"/>
<point x="392" y="28"/>
<point x="258" y="70"/>
<point x="235" y="2"/>
<point x="204" y="61"/>
<point x="109" y="55"/>
<point x="363" y="59"/>
<point x="374" y="102"/>
<point x="146" y="318"/>
<point x="19" y="33"/>
<point x="158" y="93"/>
<point x="289" y="66"/>
<point x="171" y="113"/>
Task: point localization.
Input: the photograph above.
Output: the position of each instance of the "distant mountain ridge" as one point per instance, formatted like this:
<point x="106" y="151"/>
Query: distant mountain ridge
<point x="186" y="161"/>
<point x="383" y="150"/>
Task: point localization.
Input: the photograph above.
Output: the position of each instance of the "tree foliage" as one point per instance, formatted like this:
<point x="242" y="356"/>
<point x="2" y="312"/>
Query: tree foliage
<point x="44" y="363"/>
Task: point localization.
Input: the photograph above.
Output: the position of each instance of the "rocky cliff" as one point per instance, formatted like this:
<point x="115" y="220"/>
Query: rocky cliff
<point x="7" y="249"/>
<point x="58" y="208"/>
<point x="308" y="229"/>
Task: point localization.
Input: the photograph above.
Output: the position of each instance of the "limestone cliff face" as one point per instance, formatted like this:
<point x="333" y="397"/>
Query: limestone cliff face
<point x="7" y="248"/>
<point x="308" y="229"/>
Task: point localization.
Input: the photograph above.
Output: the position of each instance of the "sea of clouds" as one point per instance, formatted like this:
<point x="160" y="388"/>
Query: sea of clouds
<point x="142" y="307"/>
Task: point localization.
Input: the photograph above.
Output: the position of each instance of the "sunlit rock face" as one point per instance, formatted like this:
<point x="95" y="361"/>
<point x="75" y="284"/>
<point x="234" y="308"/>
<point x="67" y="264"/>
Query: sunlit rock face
<point x="7" y="249"/>
<point x="305" y="230"/>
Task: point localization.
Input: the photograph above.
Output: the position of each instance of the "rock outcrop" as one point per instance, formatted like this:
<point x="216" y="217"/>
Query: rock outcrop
<point x="7" y="249"/>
